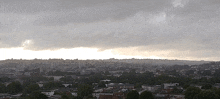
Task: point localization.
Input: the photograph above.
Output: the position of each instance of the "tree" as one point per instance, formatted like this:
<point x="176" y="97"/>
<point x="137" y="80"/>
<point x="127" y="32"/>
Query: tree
<point x="176" y="90"/>
<point x="206" y="94"/>
<point x="84" y="91"/>
<point x="14" y="87"/>
<point x="52" y="85"/>
<point x="217" y="73"/>
<point x="101" y="84"/>
<point x="67" y="79"/>
<point x="2" y="88"/>
<point x="207" y="86"/>
<point x="51" y="79"/>
<point x="37" y="95"/>
<point x="31" y="88"/>
<point x="146" y="95"/>
<point x="206" y="73"/>
<point x="107" y="73"/>
<point x="133" y="95"/>
<point x="191" y="92"/>
<point x="217" y="91"/>
<point x="4" y="79"/>
<point x="64" y="97"/>
<point x="189" y="72"/>
<point x="67" y="96"/>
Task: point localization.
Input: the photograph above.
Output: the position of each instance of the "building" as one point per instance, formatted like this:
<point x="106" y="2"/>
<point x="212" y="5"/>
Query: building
<point x="170" y="85"/>
<point x="151" y="88"/>
<point x="120" y="86"/>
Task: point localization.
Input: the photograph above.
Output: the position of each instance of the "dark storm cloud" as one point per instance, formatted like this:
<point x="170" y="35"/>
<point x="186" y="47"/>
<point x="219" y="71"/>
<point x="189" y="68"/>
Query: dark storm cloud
<point x="180" y="25"/>
<point x="66" y="11"/>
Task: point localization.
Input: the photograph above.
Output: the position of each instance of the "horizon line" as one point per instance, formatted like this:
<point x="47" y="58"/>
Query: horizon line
<point x="109" y="59"/>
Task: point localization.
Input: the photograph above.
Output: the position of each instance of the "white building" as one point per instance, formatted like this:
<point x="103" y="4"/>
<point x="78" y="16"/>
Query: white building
<point x="169" y="85"/>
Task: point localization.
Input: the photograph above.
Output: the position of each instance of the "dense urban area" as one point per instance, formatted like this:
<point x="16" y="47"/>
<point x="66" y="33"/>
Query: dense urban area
<point x="109" y="79"/>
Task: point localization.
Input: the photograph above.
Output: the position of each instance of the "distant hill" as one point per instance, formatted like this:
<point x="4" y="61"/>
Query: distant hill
<point x="160" y="61"/>
<point x="136" y="61"/>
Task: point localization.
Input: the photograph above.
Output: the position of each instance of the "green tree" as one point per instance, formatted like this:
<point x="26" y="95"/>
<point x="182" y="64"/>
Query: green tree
<point x="37" y="95"/>
<point x="2" y="88"/>
<point x="4" y="79"/>
<point x="31" y="88"/>
<point x="101" y="84"/>
<point x="64" y="97"/>
<point x="52" y="85"/>
<point x="67" y="79"/>
<point x="217" y="73"/>
<point x="133" y="95"/>
<point x="189" y="72"/>
<point x="146" y="95"/>
<point x="207" y="86"/>
<point x="191" y="92"/>
<point x="176" y="90"/>
<point x="14" y="87"/>
<point x="84" y="91"/>
<point x="217" y="91"/>
<point x="107" y="73"/>
<point x="205" y="72"/>
<point x="206" y="94"/>
<point x="51" y="79"/>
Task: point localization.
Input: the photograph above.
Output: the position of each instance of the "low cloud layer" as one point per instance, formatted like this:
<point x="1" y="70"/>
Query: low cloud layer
<point x="184" y="28"/>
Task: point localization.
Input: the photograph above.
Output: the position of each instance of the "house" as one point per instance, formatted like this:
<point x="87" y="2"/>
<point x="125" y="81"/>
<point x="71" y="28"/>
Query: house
<point x="165" y="91"/>
<point x="27" y="74"/>
<point x="217" y="85"/>
<point x="49" y="94"/>
<point x="61" y="90"/>
<point x="85" y="72"/>
<point x="16" y="96"/>
<point x="127" y="86"/>
<point x="74" y="94"/>
<point x="151" y="88"/>
<point x="105" y="96"/>
<point x="160" y="96"/>
<point x="112" y="85"/>
<point x="55" y="97"/>
<point x="4" y="96"/>
<point x="41" y="83"/>
<point x="117" y="75"/>
<point x="56" y="78"/>
<point x="66" y="85"/>
<point x="177" y="97"/>
<point x="170" y="85"/>
<point x="106" y="80"/>
<point x="120" y="86"/>
<point x="119" y="95"/>
<point x="98" y="90"/>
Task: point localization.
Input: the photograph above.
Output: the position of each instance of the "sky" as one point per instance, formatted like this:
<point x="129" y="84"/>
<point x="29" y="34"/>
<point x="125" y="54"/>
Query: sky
<point x="102" y="29"/>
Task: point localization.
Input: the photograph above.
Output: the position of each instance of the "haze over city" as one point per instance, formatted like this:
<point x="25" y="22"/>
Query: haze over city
<point x="103" y="29"/>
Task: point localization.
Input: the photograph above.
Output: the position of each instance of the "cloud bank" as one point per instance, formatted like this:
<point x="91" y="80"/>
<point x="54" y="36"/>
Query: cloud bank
<point x="182" y="28"/>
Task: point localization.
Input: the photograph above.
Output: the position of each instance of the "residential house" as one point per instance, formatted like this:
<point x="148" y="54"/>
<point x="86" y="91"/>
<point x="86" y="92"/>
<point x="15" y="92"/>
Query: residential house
<point x="170" y="85"/>
<point x="120" y="86"/>
<point x="151" y="88"/>
<point x="217" y="85"/>
<point x="105" y="96"/>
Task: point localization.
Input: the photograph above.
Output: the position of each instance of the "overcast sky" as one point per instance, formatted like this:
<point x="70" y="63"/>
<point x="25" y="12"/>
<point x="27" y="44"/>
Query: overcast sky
<point x="170" y="29"/>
